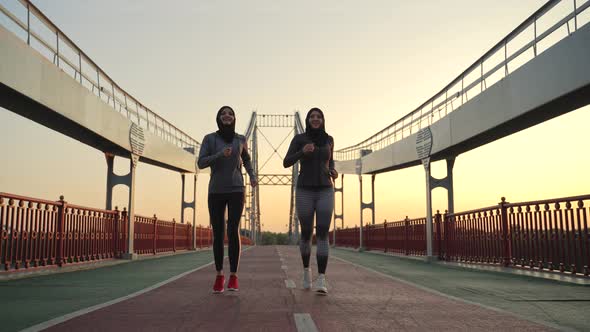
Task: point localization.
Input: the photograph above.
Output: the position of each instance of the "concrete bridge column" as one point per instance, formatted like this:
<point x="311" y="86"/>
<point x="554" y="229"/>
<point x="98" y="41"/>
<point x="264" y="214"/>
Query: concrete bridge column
<point x="449" y="185"/>
<point x="432" y="183"/>
<point x="341" y="215"/>
<point x="130" y="254"/>
<point x="191" y="205"/>
<point x="426" y="163"/>
<point x="370" y="205"/>
<point x="129" y="181"/>
<point x="111" y="176"/>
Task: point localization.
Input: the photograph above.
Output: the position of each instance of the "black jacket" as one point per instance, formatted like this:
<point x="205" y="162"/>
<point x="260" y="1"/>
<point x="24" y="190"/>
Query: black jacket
<point x="315" y="168"/>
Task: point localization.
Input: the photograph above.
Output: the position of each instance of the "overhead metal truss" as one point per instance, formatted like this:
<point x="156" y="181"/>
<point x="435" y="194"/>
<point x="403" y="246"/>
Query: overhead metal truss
<point x="275" y="179"/>
<point x="275" y="120"/>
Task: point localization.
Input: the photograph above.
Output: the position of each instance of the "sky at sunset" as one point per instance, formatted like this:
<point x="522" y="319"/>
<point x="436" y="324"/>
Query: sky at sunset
<point x="364" y="63"/>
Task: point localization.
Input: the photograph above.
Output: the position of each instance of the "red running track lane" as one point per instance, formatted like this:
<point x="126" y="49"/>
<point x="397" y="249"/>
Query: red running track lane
<point x="359" y="300"/>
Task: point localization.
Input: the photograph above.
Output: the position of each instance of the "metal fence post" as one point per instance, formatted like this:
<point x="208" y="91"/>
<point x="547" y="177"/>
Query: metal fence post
<point x="385" y="235"/>
<point x="200" y="237"/>
<point x="123" y="234"/>
<point x="155" y="244"/>
<point x="367" y="237"/>
<point x="59" y="232"/>
<point x="116" y="232"/>
<point x="190" y="238"/>
<point x="437" y="219"/>
<point x="406" y="233"/>
<point x="173" y="235"/>
<point x="505" y="233"/>
<point x="446" y="228"/>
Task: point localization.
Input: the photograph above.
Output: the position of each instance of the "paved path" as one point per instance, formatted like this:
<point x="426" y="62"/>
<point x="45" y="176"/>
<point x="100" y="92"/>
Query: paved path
<point x="557" y="303"/>
<point x="31" y="301"/>
<point x="359" y="300"/>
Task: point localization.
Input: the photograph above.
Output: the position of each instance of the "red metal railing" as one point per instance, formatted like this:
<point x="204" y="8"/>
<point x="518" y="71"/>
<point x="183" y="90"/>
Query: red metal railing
<point x="39" y="233"/>
<point x="475" y="236"/>
<point x="204" y="237"/>
<point x="88" y="234"/>
<point x="406" y="237"/>
<point x="543" y="235"/>
<point x="153" y="236"/>
<point x="245" y="240"/>
<point x="346" y="237"/>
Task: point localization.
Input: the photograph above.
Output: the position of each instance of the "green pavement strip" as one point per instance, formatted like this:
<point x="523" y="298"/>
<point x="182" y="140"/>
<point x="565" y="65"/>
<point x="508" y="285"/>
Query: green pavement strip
<point x="557" y="303"/>
<point x="30" y="301"/>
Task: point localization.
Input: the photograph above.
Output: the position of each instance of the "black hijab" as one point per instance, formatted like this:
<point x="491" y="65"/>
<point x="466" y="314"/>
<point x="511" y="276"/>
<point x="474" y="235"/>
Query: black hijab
<point x="318" y="136"/>
<point x="227" y="132"/>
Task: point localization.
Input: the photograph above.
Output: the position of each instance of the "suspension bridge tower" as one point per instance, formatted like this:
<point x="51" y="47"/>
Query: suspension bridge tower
<point x="254" y="133"/>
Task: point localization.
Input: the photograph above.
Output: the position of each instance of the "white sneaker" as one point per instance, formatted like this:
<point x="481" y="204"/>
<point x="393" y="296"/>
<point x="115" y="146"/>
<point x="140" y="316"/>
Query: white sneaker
<point x="307" y="278"/>
<point x="321" y="287"/>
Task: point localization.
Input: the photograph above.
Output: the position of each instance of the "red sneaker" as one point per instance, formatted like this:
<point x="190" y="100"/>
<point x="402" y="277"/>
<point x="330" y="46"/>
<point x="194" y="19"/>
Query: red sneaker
<point x="218" y="286"/>
<point x="232" y="285"/>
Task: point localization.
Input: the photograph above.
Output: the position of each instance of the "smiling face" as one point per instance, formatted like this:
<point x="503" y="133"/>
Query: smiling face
<point x="316" y="120"/>
<point x="227" y="116"/>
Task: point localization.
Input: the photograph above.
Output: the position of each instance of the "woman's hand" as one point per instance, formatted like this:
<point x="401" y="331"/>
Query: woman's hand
<point x="334" y="174"/>
<point x="308" y="148"/>
<point x="253" y="182"/>
<point x="227" y="151"/>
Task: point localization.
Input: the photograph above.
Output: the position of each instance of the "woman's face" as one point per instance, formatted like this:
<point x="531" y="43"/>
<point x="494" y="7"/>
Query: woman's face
<point x="316" y="119"/>
<point x="227" y="116"/>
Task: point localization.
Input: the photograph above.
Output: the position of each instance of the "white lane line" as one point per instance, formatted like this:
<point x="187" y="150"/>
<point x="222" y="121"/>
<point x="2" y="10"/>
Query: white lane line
<point x="304" y="323"/>
<point x="289" y="283"/>
<point x="59" y="320"/>
<point x="84" y="311"/>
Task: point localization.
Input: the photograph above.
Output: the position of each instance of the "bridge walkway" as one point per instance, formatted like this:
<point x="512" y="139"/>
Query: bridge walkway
<point x="368" y="292"/>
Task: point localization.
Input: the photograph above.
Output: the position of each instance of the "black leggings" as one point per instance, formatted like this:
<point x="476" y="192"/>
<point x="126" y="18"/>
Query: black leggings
<point x="217" y="205"/>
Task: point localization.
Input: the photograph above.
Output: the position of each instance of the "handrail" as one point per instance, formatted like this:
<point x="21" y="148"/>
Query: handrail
<point x="165" y="130"/>
<point x="28" y="199"/>
<point x="548" y="201"/>
<point x="424" y="114"/>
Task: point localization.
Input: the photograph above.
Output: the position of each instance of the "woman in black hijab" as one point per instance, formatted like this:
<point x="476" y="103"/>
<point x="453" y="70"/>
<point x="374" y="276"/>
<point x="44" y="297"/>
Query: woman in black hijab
<point x="315" y="192"/>
<point x="225" y="152"/>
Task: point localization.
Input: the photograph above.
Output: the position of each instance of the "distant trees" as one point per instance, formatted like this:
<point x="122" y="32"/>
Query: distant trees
<point x="269" y="239"/>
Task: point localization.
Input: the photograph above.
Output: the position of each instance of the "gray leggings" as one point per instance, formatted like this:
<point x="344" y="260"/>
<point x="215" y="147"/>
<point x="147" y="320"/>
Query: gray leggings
<point x="320" y="204"/>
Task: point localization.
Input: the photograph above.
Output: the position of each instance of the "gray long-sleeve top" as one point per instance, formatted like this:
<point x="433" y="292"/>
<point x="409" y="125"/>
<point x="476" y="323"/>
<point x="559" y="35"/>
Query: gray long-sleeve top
<point x="315" y="167"/>
<point x="226" y="172"/>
